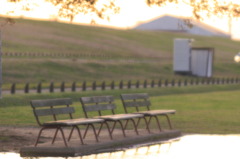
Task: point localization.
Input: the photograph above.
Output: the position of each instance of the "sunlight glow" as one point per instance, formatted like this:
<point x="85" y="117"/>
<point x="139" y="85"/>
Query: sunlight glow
<point x="132" y="13"/>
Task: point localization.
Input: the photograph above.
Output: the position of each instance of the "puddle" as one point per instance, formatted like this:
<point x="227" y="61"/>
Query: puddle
<point x="188" y="147"/>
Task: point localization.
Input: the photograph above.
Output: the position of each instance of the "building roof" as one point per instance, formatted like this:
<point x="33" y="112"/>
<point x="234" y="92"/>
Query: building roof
<point x="177" y="24"/>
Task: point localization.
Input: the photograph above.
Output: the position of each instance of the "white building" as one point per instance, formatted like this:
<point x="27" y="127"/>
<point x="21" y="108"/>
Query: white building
<point x="175" y="24"/>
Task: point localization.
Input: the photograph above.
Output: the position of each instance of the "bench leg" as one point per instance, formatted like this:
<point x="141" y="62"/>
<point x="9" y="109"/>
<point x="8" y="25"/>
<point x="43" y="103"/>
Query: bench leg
<point x="64" y="139"/>
<point x="123" y="130"/>
<point x="108" y="128"/>
<point x="135" y="126"/>
<point x="79" y="133"/>
<point x="147" y="126"/>
<point x="158" y="123"/>
<point x="86" y="130"/>
<point x="169" y="122"/>
<point x="39" y="135"/>
<point x="94" y="131"/>
<point x="55" y="135"/>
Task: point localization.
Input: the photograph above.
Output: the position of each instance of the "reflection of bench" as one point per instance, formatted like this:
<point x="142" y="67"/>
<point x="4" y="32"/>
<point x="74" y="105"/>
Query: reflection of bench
<point x="56" y="114"/>
<point x="105" y="104"/>
<point x="141" y="101"/>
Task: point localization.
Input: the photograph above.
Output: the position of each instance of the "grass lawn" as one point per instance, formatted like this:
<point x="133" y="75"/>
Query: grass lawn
<point x="200" y="109"/>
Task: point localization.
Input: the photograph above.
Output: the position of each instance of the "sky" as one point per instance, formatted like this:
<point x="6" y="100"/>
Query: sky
<point x="130" y="15"/>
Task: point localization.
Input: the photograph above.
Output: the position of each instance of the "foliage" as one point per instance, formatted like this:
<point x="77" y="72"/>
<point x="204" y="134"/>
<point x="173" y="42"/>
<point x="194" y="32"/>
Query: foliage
<point x="203" y="8"/>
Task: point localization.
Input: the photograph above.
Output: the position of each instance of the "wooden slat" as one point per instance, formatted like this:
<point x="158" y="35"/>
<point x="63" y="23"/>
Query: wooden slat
<point x="51" y="102"/>
<point x="137" y="103"/>
<point x="97" y="99"/>
<point x="134" y="96"/>
<point x="99" y="107"/>
<point x="54" y="111"/>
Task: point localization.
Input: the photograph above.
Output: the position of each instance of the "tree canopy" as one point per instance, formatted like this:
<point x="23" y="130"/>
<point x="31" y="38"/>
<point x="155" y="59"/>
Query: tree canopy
<point x="102" y="8"/>
<point x="203" y="8"/>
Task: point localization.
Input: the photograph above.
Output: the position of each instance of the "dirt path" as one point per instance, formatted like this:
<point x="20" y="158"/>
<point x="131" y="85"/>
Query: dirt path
<point x="13" y="138"/>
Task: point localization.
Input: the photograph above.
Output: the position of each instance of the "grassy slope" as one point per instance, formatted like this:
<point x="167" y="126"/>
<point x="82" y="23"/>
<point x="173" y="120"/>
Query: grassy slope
<point x="149" y="53"/>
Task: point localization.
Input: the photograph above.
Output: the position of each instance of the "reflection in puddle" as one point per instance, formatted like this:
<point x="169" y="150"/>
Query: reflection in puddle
<point x="188" y="147"/>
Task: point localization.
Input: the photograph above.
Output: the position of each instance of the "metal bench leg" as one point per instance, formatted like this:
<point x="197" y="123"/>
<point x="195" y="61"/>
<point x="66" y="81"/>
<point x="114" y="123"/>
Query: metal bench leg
<point x="86" y="130"/>
<point x="123" y="130"/>
<point x="158" y="123"/>
<point x="55" y="135"/>
<point x="169" y="122"/>
<point x="135" y="126"/>
<point x="64" y="139"/>
<point x="70" y="135"/>
<point x="79" y="133"/>
<point x="146" y="122"/>
<point x="99" y="130"/>
<point x="39" y="135"/>
<point x="109" y="131"/>
<point x="147" y="126"/>
<point x="94" y="131"/>
<point x="125" y="126"/>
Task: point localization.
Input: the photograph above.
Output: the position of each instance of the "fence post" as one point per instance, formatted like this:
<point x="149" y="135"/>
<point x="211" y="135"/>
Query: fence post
<point x="185" y="82"/>
<point x="179" y="83"/>
<point x="166" y="83"/>
<point x="191" y="81"/>
<point x="84" y="86"/>
<point x="74" y="87"/>
<point x="145" y="84"/>
<point x="13" y="88"/>
<point x="63" y="87"/>
<point x="112" y="85"/>
<point x="26" y="89"/>
<point x="121" y="85"/>
<point x="39" y="87"/>
<point x="137" y="84"/>
<point x="103" y="85"/>
<point x="152" y="83"/>
<point x="173" y="83"/>
<point x="94" y="85"/>
<point x="227" y="81"/>
<point x="51" y="87"/>
<point x="129" y="84"/>
<point x="159" y="83"/>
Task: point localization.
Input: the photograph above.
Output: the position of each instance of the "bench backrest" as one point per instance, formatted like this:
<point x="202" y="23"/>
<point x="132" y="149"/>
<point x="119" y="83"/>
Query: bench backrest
<point x="136" y="100"/>
<point x="52" y="107"/>
<point x="97" y="104"/>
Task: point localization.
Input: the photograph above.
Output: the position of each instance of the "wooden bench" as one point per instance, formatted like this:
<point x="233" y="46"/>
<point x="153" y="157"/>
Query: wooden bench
<point x="103" y="104"/>
<point x="141" y="101"/>
<point x="60" y="115"/>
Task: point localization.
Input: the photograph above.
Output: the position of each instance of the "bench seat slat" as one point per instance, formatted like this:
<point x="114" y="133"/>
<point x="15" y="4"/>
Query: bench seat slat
<point x="51" y="102"/>
<point x="137" y="103"/>
<point x="116" y="117"/>
<point x="72" y="122"/>
<point x="54" y="111"/>
<point x="156" y="112"/>
<point x="99" y="107"/>
<point x="134" y="96"/>
<point x="97" y="99"/>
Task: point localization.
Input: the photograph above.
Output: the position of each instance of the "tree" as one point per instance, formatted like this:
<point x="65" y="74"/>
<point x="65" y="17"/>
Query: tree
<point x="206" y="8"/>
<point x="70" y="8"/>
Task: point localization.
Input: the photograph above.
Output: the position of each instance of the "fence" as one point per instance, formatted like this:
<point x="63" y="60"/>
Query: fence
<point x="86" y="86"/>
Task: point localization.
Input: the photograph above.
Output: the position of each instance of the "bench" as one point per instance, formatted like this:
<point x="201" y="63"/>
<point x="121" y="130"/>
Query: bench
<point x="105" y="104"/>
<point x="141" y="101"/>
<point x="56" y="114"/>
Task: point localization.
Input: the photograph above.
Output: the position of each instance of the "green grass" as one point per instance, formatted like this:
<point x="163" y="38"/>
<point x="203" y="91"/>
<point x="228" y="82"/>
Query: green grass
<point x="200" y="109"/>
<point x="132" y="54"/>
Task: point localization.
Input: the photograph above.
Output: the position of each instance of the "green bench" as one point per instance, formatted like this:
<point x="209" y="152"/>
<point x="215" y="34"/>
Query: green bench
<point x="101" y="104"/>
<point x="141" y="101"/>
<point x="57" y="114"/>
